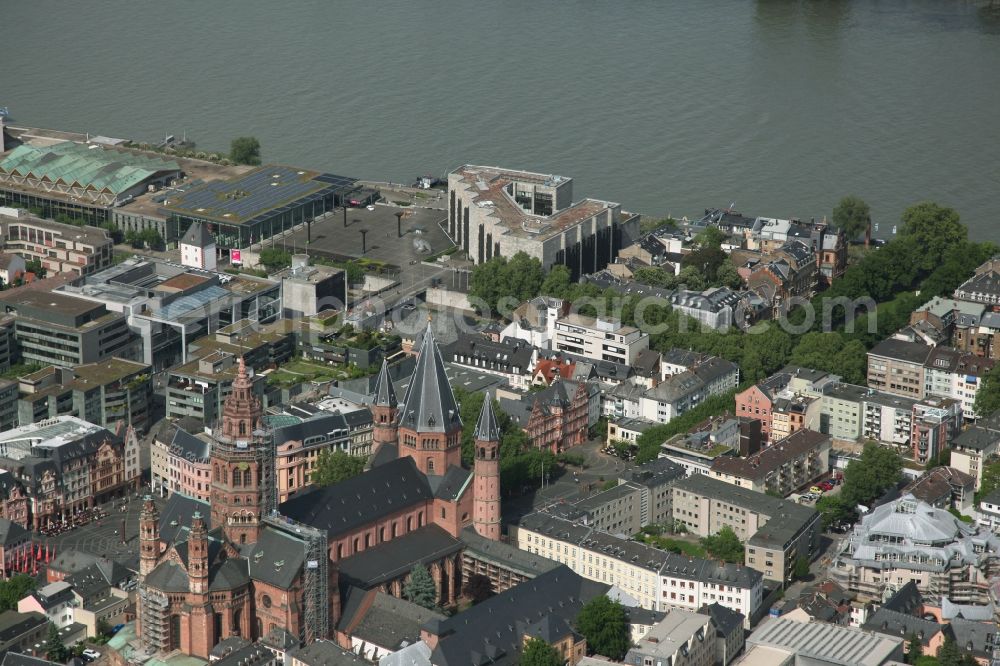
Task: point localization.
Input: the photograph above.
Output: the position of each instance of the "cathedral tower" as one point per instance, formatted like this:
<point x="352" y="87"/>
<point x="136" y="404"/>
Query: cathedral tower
<point x="385" y="409"/>
<point x="430" y="428"/>
<point x="149" y="537"/>
<point x="486" y="474"/>
<point x="240" y="476"/>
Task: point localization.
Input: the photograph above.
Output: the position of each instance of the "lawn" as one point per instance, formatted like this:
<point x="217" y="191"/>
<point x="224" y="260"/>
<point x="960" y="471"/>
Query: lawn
<point x="298" y="371"/>
<point x="673" y="545"/>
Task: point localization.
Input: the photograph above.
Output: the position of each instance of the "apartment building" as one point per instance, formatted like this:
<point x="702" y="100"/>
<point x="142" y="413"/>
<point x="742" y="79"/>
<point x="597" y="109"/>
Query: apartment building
<point x="777" y="532"/>
<point x="697" y="450"/>
<point x="510" y="359"/>
<point x="180" y="460"/>
<point x="600" y="339"/>
<point x="790" y="384"/>
<point x="971" y="449"/>
<point x="949" y="373"/>
<point x="679" y="393"/>
<point x="642" y="497"/>
<point x="784" y="467"/>
<point x="60" y="248"/>
<point x="105" y="393"/>
<point x="51" y="328"/>
<point x="897" y="367"/>
<point x="300" y="444"/>
<point x="681" y="638"/>
<point x="657" y="579"/>
<point x="842" y="410"/>
<point x="790" y="414"/>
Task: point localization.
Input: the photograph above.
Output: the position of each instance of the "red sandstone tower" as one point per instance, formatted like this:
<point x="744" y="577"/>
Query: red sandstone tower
<point x="385" y="409"/>
<point x="430" y="428"/>
<point x="149" y="537"/>
<point x="237" y="494"/>
<point x="486" y="473"/>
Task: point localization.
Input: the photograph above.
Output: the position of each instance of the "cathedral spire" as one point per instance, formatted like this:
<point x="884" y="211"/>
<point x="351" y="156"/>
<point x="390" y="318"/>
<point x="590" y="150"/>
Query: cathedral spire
<point x="486" y="427"/>
<point x="429" y="404"/>
<point x="384" y="394"/>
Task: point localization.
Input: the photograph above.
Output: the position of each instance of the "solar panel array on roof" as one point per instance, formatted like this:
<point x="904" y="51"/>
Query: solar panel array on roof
<point x="268" y="189"/>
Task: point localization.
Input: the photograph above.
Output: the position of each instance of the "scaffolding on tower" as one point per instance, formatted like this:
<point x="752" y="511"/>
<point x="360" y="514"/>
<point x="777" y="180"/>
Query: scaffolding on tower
<point x="315" y="575"/>
<point x="154" y="619"/>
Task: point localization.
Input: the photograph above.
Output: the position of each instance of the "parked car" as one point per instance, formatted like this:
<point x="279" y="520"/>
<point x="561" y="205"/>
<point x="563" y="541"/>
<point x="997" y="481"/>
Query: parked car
<point x="91" y="654"/>
<point x="826" y="485"/>
<point x="816" y="490"/>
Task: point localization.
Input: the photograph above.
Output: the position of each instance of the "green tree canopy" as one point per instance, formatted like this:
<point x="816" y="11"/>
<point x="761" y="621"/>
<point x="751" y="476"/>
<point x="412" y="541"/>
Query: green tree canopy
<point x="336" y="466"/>
<point x="245" y="150"/>
<point x="988" y="395"/>
<point x="14" y="589"/>
<point x="914" y="649"/>
<point x="273" y="258"/>
<point x="55" y="649"/>
<point x="878" y="469"/>
<point x="948" y="653"/>
<point x="558" y="282"/>
<point x="724" y="545"/>
<point x="852" y="215"/>
<point x="835" y="509"/>
<point x="832" y="352"/>
<point x="519" y="278"/>
<point x="420" y="588"/>
<point x="604" y="624"/>
<point x="537" y="652"/>
<point x="801" y="568"/>
<point x="933" y="229"/>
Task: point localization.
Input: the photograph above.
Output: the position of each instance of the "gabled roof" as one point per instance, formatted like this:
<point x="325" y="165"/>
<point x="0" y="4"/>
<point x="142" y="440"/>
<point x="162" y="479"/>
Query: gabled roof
<point x="12" y="533"/>
<point x="429" y="404"/>
<point x="384" y="395"/>
<point x="392" y="559"/>
<point x="198" y="235"/>
<point x="486" y="427"/>
<point x="382" y="490"/>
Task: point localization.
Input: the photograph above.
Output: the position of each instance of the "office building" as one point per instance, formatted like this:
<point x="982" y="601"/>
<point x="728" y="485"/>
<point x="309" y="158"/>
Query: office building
<point x="59" y="248"/>
<point x="500" y="212"/>
<point x="599" y="339"/>
<point x="796" y="461"/>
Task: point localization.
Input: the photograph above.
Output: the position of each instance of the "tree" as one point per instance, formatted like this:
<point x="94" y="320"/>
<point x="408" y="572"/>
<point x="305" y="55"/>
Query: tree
<point x="724" y="545"/>
<point x="833" y="352"/>
<point x="604" y="624"/>
<point x="274" y="259"/>
<point x="420" y="588"/>
<point x="14" y="589"/>
<point x="478" y="588"/>
<point x="835" y="510"/>
<point x="558" y="282"/>
<point x="914" y="649"/>
<point x="245" y="150"/>
<point x="537" y="652"/>
<point x="728" y="276"/>
<point x="55" y="649"/>
<point x="519" y="278"/>
<point x="852" y="215"/>
<point x="991" y="479"/>
<point x="336" y="466"/>
<point x="949" y="654"/>
<point x="878" y="469"/>
<point x="933" y="229"/>
<point x="988" y="395"/>
<point x="801" y="568"/>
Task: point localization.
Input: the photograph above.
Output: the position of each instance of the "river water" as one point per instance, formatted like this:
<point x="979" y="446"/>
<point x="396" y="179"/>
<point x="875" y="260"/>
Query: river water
<point x="666" y="106"/>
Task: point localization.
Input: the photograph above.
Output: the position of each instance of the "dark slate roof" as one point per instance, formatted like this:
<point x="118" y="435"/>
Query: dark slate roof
<point x="175" y="520"/>
<point x="504" y="555"/>
<point x="429" y="404"/>
<point x="327" y="653"/>
<point x="450" y="485"/>
<point x="388" y="622"/>
<point x="384" y="395"/>
<point x="273" y="547"/>
<point x="14" y="624"/>
<point x="906" y="599"/>
<point x="72" y="560"/>
<point x="508" y="356"/>
<point x="251" y="655"/>
<point x="492" y="632"/>
<point x="18" y="659"/>
<point x="894" y="623"/>
<point x="340" y="508"/>
<point x="394" y="558"/>
<point x="12" y="533"/>
<point x="197" y="234"/>
<point x="486" y="427"/>
<point x="323" y="427"/>
<point x="228" y="645"/>
<point x="726" y="620"/>
<point x="903" y="350"/>
<point x="385" y="453"/>
<point x="190" y="447"/>
<point x="974" y="637"/>
<point x="168" y="577"/>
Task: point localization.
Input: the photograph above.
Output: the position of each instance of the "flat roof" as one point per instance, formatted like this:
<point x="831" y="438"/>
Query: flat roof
<point x="81" y="234"/>
<point x="773" y="457"/>
<point x="252" y="195"/>
<point x="489" y="184"/>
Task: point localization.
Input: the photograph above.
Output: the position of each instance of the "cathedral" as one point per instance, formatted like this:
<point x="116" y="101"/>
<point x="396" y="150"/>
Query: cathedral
<point x="241" y="566"/>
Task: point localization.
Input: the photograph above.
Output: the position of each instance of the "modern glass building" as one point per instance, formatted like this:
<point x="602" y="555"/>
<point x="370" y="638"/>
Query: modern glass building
<point x="256" y="205"/>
